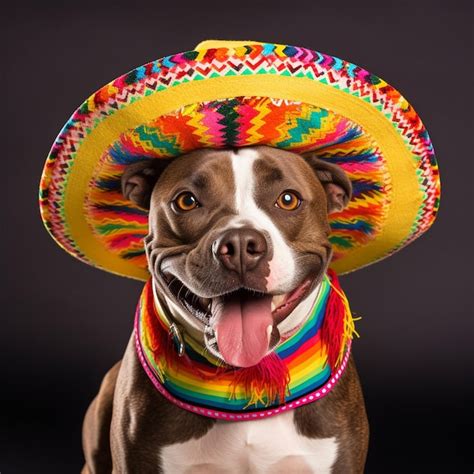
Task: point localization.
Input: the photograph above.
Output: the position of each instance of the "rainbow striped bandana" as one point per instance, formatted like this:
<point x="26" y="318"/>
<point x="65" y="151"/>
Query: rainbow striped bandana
<point x="226" y="94"/>
<point x="302" y="369"/>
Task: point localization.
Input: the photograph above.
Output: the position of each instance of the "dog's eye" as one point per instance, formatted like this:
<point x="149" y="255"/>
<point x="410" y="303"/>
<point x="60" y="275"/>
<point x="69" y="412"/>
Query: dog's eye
<point x="288" y="201"/>
<point x="186" y="201"/>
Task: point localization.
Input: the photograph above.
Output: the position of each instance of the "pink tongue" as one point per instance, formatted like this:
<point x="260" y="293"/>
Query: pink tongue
<point x="241" y="328"/>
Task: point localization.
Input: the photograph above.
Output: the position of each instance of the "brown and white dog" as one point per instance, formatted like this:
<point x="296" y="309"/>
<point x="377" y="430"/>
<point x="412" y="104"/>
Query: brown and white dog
<point x="220" y="222"/>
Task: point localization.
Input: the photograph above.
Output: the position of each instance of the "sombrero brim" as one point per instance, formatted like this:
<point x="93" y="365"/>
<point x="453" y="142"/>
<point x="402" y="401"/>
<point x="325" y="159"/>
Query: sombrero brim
<point x="239" y="94"/>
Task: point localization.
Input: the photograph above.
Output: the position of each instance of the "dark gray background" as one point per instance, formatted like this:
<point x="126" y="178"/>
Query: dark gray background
<point x="64" y="323"/>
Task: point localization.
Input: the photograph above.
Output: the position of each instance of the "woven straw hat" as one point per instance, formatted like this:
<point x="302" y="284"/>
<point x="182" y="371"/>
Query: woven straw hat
<point x="234" y="94"/>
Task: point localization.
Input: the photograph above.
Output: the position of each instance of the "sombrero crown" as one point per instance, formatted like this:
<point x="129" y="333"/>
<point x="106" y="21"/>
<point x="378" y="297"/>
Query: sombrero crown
<point x="235" y="94"/>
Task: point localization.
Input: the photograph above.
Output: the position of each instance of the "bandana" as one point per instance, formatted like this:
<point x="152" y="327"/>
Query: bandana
<point x="301" y="369"/>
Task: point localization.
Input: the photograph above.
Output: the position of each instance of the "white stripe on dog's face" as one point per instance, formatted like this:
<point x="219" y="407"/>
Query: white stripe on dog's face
<point x="282" y="265"/>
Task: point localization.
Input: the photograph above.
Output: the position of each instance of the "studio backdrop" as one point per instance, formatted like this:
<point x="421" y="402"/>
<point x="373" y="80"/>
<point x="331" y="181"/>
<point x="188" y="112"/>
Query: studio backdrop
<point x="65" y="323"/>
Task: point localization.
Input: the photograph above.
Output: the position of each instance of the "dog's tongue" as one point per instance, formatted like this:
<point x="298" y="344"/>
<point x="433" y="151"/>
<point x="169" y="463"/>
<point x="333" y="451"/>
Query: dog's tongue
<point x="242" y="329"/>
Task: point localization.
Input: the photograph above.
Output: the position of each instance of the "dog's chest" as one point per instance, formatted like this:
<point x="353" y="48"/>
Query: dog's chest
<point x="269" y="445"/>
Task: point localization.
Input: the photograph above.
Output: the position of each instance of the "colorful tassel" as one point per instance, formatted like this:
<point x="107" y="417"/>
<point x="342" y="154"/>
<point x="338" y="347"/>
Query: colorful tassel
<point x="264" y="382"/>
<point x="338" y="327"/>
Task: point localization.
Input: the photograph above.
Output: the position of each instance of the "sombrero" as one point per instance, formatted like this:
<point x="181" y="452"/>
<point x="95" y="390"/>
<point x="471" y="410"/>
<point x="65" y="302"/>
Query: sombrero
<point x="235" y="94"/>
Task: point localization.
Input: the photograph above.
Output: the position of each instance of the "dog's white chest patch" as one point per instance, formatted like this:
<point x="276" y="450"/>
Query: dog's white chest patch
<point x="266" y="446"/>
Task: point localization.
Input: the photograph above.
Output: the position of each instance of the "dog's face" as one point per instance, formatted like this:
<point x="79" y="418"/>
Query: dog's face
<point x="237" y="241"/>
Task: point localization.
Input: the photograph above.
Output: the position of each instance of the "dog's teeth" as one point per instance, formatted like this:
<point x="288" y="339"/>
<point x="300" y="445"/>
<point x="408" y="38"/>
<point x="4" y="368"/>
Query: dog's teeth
<point x="196" y="312"/>
<point x="269" y="330"/>
<point x="277" y="300"/>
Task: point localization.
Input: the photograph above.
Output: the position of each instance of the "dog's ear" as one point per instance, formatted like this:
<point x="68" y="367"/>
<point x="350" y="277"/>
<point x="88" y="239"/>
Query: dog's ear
<point x="139" y="179"/>
<point x="337" y="185"/>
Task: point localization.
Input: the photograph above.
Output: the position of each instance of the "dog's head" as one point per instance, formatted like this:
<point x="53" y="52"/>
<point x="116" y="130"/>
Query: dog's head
<point x="238" y="241"/>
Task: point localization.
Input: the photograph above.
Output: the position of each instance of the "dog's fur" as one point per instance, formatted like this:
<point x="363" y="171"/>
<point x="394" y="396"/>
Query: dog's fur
<point x="130" y="427"/>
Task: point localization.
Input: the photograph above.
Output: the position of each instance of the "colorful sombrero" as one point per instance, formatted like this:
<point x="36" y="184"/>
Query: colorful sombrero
<point x="235" y="94"/>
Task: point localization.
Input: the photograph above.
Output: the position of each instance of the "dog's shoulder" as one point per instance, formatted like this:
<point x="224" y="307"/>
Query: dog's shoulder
<point x="342" y="414"/>
<point x="141" y="413"/>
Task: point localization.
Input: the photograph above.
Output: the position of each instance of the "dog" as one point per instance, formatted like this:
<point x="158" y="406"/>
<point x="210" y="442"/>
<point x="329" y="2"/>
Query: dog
<point x="244" y="221"/>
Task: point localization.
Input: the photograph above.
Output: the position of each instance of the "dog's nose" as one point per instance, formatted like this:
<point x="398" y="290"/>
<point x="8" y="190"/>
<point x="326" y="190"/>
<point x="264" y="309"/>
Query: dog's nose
<point x="241" y="249"/>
